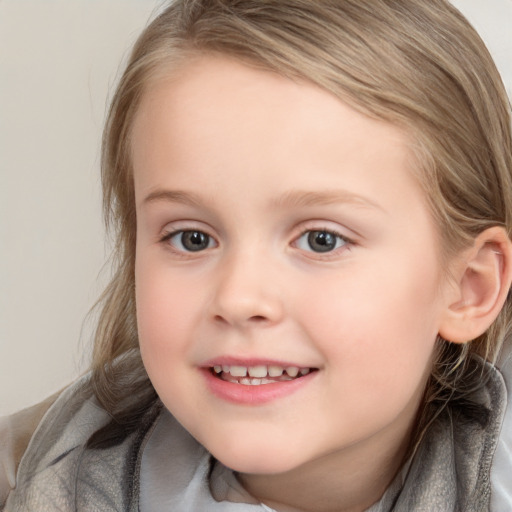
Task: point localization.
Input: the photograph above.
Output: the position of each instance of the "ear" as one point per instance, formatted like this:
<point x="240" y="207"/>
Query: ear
<point x="482" y="282"/>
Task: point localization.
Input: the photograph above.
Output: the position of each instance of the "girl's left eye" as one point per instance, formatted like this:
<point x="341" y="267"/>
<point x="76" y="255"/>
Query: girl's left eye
<point x="189" y="240"/>
<point x="320" y="241"/>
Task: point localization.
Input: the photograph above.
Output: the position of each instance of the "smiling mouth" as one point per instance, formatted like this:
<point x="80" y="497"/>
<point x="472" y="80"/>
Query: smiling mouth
<point x="258" y="375"/>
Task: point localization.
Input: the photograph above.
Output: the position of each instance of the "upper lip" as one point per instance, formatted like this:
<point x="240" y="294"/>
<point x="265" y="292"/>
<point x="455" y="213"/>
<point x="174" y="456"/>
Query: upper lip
<point x="248" y="362"/>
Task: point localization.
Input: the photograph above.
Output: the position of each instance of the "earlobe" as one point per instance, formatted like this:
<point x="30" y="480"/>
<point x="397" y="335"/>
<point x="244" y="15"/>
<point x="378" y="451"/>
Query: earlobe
<point x="482" y="284"/>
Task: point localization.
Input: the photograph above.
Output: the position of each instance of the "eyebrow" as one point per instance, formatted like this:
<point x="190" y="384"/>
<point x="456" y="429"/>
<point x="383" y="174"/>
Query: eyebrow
<point x="172" y="196"/>
<point x="303" y="198"/>
<point x="295" y="198"/>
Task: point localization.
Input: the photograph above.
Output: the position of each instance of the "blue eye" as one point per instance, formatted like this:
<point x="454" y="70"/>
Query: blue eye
<point x="320" y="241"/>
<point x="190" y="240"/>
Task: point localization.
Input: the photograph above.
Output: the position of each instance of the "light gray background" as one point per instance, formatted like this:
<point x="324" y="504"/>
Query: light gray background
<point x="59" y="60"/>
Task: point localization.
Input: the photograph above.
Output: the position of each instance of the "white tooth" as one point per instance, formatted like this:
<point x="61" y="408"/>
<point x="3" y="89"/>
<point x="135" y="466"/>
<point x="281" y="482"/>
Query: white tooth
<point x="275" y="371"/>
<point x="245" y="381"/>
<point x="304" y="371"/>
<point x="217" y="369"/>
<point x="225" y="368"/>
<point x="258" y="371"/>
<point x="238" y="371"/>
<point x="292" y="371"/>
<point x="258" y="382"/>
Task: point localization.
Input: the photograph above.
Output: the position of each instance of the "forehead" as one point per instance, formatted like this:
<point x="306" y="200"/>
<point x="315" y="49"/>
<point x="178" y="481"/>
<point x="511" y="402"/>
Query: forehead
<point x="214" y="100"/>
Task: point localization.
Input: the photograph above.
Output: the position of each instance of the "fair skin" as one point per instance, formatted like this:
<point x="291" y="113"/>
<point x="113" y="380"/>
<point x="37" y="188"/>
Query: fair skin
<point x="276" y="226"/>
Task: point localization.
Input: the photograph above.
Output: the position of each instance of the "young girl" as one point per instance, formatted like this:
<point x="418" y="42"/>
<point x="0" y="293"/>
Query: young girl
<point x="313" y="208"/>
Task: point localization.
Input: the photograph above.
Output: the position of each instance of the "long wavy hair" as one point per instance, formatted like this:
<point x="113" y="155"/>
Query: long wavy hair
<point x="414" y="63"/>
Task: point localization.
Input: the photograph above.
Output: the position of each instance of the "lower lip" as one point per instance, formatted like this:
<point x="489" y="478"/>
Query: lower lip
<point x="253" y="395"/>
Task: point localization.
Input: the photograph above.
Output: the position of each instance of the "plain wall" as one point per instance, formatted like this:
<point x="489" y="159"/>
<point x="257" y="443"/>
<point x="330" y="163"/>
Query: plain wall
<point x="58" y="62"/>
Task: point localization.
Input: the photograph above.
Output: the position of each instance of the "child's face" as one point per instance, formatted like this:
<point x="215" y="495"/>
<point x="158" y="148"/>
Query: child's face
<point x="300" y="240"/>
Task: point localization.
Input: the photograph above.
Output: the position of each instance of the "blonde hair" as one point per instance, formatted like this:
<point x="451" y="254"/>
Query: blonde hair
<point x="416" y="64"/>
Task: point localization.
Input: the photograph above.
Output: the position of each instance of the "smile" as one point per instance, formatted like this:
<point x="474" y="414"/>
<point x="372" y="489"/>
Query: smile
<point x="256" y="383"/>
<point x="258" y="375"/>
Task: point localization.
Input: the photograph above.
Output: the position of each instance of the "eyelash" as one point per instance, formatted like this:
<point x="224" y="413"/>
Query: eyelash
<point x="345" y="242"/>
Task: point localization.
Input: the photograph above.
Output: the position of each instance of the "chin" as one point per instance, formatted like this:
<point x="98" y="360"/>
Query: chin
<point x="256" y="459"/>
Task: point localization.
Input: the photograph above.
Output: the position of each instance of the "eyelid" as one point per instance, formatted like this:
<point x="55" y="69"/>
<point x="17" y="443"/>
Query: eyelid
<point x="328" y="226"/>
<point x="329" y="231"/>
<point x="171" y="228"/>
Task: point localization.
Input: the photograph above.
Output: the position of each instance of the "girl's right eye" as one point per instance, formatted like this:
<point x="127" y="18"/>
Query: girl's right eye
<point x="189" y="240"/>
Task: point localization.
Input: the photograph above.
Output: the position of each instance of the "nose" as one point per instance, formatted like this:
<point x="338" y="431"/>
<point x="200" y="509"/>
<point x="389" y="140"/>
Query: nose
<point x="247" y="292"/>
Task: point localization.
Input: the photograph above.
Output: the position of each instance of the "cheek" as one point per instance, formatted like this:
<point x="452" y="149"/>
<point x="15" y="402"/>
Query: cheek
<point x="378" y="325"/>
<point x="166" y="322"/>
<point x="165" y="312"/>
<point x="369" y="300"/>
<point x="377" y="339"/>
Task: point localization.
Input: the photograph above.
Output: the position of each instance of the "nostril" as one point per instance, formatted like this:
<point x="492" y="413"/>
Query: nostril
<point x="258" y="318"/>
<point x="255" y="319"/>
<point x="220" y="319"/>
